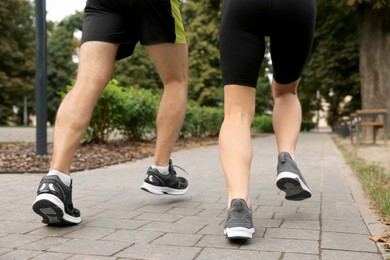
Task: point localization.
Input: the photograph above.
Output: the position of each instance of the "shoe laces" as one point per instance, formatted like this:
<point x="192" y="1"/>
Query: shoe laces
<point x="177" y="166"/>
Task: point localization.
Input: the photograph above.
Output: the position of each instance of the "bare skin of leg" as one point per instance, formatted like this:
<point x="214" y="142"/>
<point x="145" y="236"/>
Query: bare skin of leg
<point x="172" y="64"/>
<point x="235" y="140"/>
<point x="287" y="116"/>
<point x="95" y="68"/>
<point x="235" y="143"/>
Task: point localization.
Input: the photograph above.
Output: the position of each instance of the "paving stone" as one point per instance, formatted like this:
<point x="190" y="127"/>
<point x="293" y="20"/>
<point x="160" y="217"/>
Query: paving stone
<point x="300" y="224"/>
<point x="197" y="219"/>
<point x="283" y="245"/>
<point x="345" y="226"/>
<point x="292" y="233"/>
<point x="150" y="251"/>
<point x="90" y="247"/>
<point x="4" y="250"/>
<point x="50" y="256"/>
<point x="178" y="239"/>
<point x="304" y="216"/>
<point x="122" y="214"/>
<point x="132" y="236"/>
<point x="45" y="243"/>
<point x="54" y="231"/>
<point x="350" y="242"/>
<point x="173" y="227"/>
<point x="218" y="242"/>
<point x="232" y="254"/>
<point x="293" y="256"/>
<point x="94" y="257"/>
<point x="211" y="213"/>
<point x="16" y="240"/>
<point x="184" y="211"/>
<point x="163" y="217"/>
<point x="90" y="233"/>
<point x="348" y="255"/>
<point x="117" y="223"/>
<point x="20" y="254"/>
<point x="17" y="227"/>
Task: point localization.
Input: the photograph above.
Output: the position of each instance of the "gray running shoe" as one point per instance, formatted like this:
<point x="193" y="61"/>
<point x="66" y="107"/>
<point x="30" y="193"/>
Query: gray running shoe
<point x="239" y="224"/>
<point x="290" y="179"/>
<point x="161" y="184"/>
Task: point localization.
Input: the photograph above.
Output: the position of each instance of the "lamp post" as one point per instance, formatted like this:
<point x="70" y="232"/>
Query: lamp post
<point x="40" y="77"/>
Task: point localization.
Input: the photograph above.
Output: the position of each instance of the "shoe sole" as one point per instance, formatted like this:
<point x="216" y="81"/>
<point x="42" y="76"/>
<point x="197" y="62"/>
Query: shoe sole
<point x="158" y="190"/>
<point x="293" y="186"/>
<point x="51" y="209"/>
<point x="238" y="233"/>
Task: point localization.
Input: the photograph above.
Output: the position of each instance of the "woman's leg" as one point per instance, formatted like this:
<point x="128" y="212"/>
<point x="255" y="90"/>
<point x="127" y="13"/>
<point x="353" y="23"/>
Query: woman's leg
<point x="235" y="143"/>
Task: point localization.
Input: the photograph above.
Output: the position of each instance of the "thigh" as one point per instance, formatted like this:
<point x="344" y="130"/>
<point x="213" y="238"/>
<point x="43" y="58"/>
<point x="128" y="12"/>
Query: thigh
<point x="291" y="37"/>
<point x="171" y="60"/>
<point x="242" y="43"/>
<point x="96" y="63"/>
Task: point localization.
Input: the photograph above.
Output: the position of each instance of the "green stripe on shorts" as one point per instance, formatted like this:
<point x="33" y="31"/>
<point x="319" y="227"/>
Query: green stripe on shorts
<point x="179" y="28"/>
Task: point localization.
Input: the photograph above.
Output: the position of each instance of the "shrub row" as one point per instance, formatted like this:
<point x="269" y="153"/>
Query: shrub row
<point x="131" y="112"/>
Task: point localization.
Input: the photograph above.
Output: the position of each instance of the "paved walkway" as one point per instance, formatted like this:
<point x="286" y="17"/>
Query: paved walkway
<point x="120" y="221"/>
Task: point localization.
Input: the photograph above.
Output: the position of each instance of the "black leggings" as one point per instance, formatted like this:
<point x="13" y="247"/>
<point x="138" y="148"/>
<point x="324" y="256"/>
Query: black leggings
<point x="290" y="25"/>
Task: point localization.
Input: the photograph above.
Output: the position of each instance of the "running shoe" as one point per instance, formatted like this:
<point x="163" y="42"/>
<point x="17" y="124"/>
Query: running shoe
<point x="54" y="202"/>
<point x="290" y="179"/>
<point x="161" y="184"/>
<point x="239" y="224"/>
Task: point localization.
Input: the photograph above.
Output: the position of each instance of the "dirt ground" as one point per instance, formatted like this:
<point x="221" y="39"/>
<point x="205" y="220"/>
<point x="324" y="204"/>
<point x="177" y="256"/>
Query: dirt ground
<point x="378" y="153"/>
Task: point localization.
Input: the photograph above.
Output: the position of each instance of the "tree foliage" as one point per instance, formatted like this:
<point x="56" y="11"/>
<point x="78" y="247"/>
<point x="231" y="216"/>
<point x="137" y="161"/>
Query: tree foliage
<point x="17" y="56"/>
<point x="201" y="20"/>
<point x="61" y="69"/>
<point x="376" y="4"/>
<point x="138" y="71"/>
<point x="334" y="63"/>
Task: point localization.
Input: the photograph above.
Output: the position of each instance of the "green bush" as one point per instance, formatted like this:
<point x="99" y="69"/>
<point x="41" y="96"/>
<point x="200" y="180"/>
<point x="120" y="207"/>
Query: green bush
<point x="262" y="124"/>
<point x="307" y="125"/>
<point x="202" y="121"/>
<point x="129" y="111"/>
<point x="137" y="120"/>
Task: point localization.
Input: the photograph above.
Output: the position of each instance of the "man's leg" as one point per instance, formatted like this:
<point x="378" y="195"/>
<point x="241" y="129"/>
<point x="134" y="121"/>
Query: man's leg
<point x="172" y="64"/>
<point x="54" y="196"/>
<point x="97" y="61"/>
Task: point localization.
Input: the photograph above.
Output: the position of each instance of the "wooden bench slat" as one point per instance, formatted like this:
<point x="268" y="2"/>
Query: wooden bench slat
<point x="371" y="124"/>
<point x="370" y="111"/>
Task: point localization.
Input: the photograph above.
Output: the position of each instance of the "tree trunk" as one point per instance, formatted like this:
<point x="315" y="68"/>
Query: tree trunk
<point x="374" y="38"/>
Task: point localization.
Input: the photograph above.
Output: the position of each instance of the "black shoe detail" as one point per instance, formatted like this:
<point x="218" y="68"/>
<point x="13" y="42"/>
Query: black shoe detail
<point x="160" y="184"/>
<point x="54" y="202"/>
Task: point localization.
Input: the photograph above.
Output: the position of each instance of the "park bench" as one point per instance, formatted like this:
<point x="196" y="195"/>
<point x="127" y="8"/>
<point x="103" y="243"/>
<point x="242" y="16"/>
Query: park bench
<point x="375" y="118"/>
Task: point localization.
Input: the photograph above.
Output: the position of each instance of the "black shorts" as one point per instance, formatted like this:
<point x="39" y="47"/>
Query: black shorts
<point x="128" y="22"/>
<point x="290" y="25"/>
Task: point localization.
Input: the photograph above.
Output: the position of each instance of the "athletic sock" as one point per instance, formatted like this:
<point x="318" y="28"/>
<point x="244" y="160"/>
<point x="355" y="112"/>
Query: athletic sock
<point x="65" y="178"/>
<point x="162" y="169"/>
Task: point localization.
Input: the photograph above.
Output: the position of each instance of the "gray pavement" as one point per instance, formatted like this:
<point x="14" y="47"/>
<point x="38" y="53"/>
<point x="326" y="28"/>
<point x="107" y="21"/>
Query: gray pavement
<point x="120" y="221"/>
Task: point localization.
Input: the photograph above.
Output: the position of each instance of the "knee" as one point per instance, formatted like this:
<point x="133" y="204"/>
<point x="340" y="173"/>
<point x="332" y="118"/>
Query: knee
<point x="279" y="90"/>
<point x="239" y="115"/>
